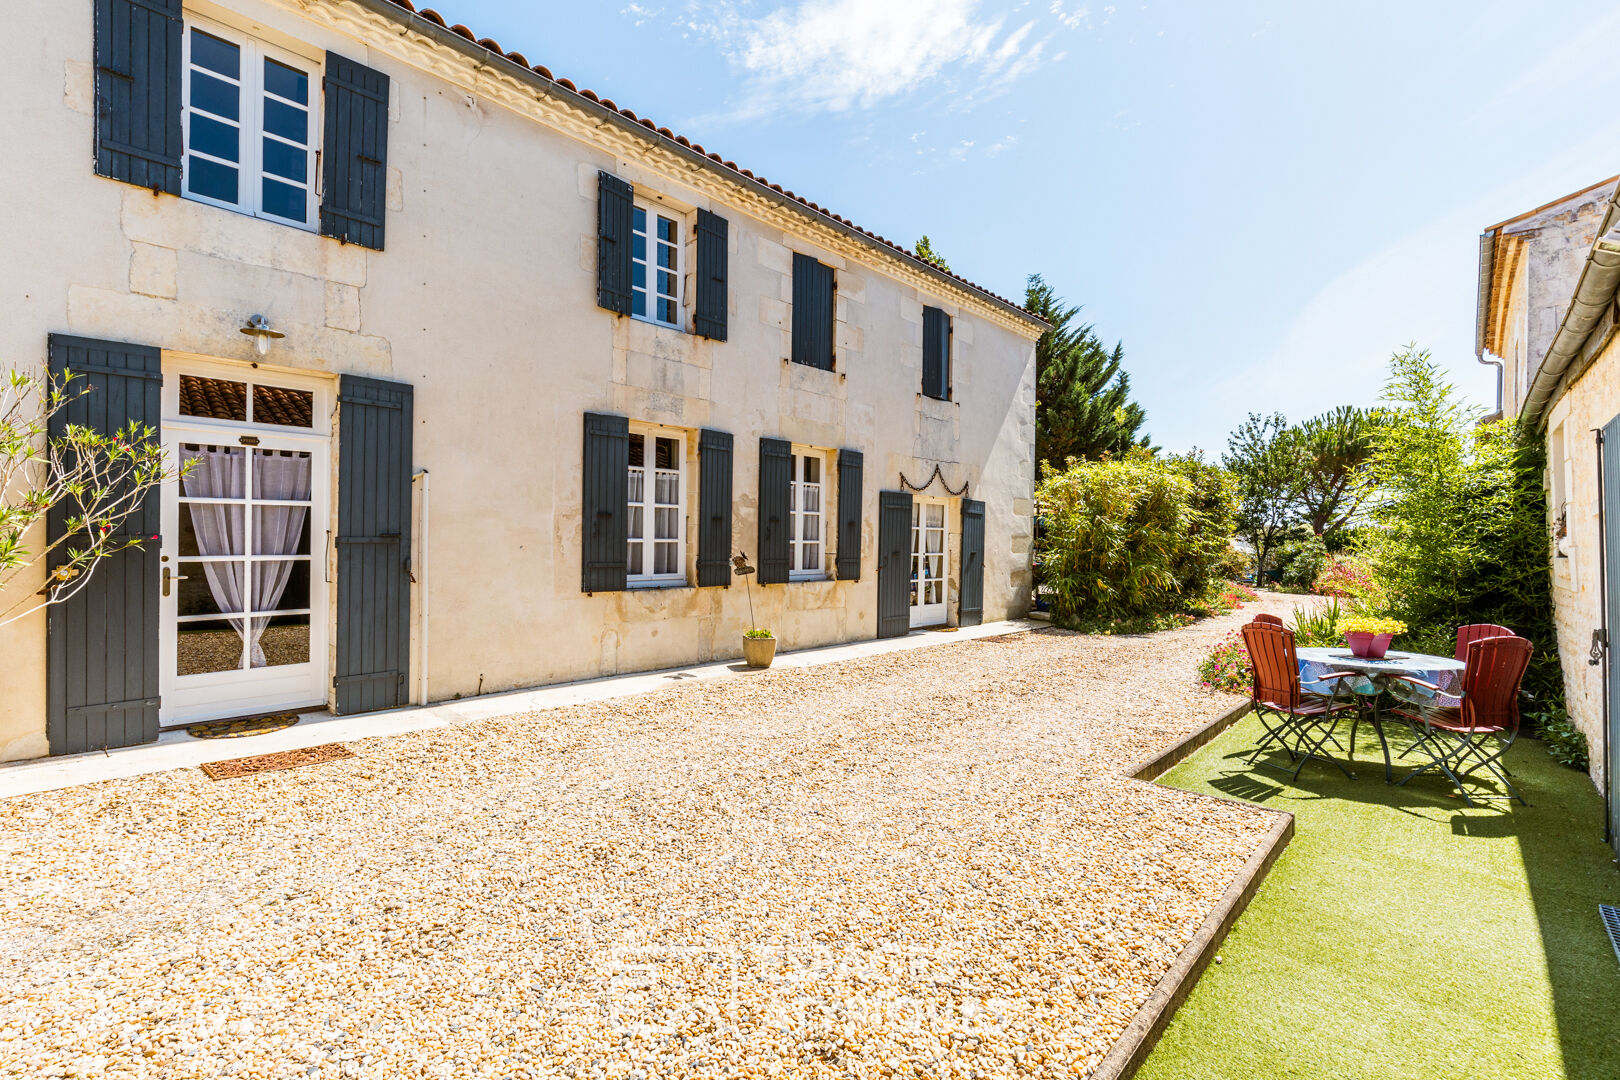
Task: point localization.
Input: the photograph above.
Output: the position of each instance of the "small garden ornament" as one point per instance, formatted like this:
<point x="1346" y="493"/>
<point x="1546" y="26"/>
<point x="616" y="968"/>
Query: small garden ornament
<point x="759" y="644"/>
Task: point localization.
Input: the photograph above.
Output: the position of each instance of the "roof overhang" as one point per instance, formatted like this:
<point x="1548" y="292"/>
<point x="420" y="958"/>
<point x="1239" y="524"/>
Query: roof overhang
<point x="484" y="54"/>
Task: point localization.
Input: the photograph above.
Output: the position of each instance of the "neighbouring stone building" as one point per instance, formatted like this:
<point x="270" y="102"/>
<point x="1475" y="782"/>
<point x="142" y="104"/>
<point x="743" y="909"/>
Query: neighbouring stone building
<point x="545" y="367"/>
<point x="1548" y="284"/>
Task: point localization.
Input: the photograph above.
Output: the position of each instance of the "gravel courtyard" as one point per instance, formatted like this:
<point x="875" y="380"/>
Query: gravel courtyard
<point x="926" y="863"/>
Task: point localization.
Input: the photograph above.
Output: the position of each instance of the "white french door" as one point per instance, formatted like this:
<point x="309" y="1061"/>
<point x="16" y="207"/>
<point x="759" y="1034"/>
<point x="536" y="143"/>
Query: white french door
<point x="243" y="589"/>
<point x="929" y="539"/>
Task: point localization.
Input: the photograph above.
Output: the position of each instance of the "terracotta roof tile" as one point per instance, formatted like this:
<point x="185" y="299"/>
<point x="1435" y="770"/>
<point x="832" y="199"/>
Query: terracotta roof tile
<point x="545" y="73"/>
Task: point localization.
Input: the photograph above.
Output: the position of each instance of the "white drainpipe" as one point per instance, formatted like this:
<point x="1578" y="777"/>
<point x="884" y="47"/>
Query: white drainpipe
<point x="422" y="581"/>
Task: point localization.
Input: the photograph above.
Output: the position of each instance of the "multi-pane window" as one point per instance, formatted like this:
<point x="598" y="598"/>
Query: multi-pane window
<point x="657" y="517"/>
<point x="655" y="272"/>
<point x="250" y="139"/>
<point x="806" y="509"/>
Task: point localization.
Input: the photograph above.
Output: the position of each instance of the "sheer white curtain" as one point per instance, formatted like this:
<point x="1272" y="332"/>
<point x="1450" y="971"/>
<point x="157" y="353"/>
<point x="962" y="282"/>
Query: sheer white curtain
<point x="276" y="530"/>
<point x="217" y="472"/>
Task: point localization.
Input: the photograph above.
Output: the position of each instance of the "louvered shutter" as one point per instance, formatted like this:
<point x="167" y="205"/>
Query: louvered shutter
<point x="354" y="199"/>
<point x="936" y="353"/>
<point x="813" y="290"/>
<point x="102" y="642"/>
<point x="775" y="489"/>
<point x="709" y="319"/>
<point x="714" y="508"/>
<point x="373" y="545"/>
<point x="970" y="607"/>
<point x="894" y="563"/>
<point x="614" y="231"/>
<point x="604" y="512"/>
<point x="850" y="467"/>
<point x="138" y="111"/>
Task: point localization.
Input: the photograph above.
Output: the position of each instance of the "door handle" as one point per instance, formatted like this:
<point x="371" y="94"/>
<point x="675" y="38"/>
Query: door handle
<point x="168" y="576"/>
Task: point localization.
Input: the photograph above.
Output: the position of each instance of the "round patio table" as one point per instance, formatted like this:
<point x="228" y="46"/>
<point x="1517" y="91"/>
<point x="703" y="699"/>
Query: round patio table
<point x="1379" y="676"/>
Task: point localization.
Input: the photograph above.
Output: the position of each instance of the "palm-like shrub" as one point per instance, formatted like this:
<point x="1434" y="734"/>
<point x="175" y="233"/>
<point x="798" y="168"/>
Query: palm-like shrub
<point x="1130" y="535"/>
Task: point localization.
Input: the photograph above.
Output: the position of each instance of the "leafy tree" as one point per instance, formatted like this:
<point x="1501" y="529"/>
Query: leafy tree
<point x="96" y="481"/>
<point x="1083" y="406"/>
<point x="1460" y="520"/>
<point x="925" y="251"/>
<point x="1334" y="446"/>
<point x="1264" y="457"/>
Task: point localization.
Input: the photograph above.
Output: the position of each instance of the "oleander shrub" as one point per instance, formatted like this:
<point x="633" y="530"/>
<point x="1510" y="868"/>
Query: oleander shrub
<point x="1132" y="535"/>
<point x="1347" y="578"/>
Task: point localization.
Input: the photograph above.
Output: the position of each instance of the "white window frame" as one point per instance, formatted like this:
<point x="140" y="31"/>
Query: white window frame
<point x="799" y="519"/>
<point x="648" y="506"/>
<point x="654" y="210"/>
<point x="250" y="169"/>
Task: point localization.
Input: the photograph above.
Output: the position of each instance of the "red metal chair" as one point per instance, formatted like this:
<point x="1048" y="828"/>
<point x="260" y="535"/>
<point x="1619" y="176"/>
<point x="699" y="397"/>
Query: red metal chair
<point x="1471" y="736"/>
<point x="1299" y="722"/>
<point x="1467" y="635"/>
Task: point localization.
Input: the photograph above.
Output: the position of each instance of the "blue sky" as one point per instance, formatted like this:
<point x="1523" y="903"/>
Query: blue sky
<point x="1262" y="200"/>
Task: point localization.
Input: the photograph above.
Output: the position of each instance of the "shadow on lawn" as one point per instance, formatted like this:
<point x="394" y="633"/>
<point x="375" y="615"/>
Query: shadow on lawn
<point x="1567" y="867"/>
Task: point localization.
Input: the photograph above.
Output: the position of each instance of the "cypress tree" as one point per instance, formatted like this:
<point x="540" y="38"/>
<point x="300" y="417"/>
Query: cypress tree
<point x="1083" y="405"/>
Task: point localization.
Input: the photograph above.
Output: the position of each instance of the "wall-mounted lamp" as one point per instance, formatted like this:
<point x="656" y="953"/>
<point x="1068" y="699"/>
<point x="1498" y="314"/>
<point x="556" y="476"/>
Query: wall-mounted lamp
<point x="1610" y="241"/>
<point x="258" y="328"/>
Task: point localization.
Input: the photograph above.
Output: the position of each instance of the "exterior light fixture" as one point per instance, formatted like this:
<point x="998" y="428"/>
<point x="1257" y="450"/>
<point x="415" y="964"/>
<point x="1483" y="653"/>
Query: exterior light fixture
<point x="1609" y="241"/>
<point x="258" y="328"/>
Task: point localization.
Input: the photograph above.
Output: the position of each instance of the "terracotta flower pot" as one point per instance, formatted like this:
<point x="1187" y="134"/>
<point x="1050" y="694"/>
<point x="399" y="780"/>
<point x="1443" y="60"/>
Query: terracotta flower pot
<point x="1368" y="646"/>
<point x="759" y="651"/>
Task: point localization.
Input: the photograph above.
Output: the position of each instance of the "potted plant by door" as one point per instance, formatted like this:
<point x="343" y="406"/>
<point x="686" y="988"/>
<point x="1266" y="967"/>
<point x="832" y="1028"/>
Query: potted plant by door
<point x="759" y="647"/>
<point x="1369" y="636"/>
<point x="759" y="644"/>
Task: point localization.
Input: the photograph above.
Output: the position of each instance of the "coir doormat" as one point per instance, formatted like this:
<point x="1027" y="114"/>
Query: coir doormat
<point x="239" y="729"/>
<point x="286" y="759"/>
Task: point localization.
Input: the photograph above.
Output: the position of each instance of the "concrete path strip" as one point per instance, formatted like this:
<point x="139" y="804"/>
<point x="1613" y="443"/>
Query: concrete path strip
<point x="177" y="750"/>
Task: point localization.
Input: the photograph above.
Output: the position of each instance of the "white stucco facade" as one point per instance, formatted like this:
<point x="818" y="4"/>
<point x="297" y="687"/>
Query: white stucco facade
<point x="484" y="301"/>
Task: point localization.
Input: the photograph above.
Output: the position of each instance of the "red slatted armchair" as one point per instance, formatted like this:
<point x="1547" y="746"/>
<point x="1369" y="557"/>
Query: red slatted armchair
<point x="1300" y="723"/>
<point x="1274" y="620"/>
<point x="1470" y="737"/>
<point x="1467" y="635"/>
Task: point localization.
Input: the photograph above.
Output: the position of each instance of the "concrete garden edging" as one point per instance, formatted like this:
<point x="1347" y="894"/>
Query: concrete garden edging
<point x="1136" y="1042"/>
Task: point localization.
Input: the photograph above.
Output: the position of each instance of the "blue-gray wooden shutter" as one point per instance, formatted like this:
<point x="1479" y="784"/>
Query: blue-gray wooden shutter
<point x="138" y="110"/>
<point x="894" y="564"/>
<point x="813" y="291"/>
<point x="373" y="545"/>
<point x="614" y="232"/>
<point x="850" y="467"/>
<point x="936" y="353"/>
<point x="604" y="513"/>
<point x="354" y="199"/>
<point x="709" y="317"/>
<point x="775" y="490"/>
<point x="970" y="606"/>
<point x="102" y="642"/>
<point x="714" y="508"/>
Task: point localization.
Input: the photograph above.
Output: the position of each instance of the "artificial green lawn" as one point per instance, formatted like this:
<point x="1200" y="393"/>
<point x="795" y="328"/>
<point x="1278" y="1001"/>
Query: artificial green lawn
<point x="1402" y="934"/>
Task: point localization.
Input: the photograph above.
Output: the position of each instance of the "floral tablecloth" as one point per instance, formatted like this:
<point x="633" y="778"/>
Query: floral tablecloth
<point x="1377" y="675"/>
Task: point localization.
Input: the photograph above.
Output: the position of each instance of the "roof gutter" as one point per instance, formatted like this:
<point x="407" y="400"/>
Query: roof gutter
<point x="483" y="56"/>
<point x="1588" y="324"/>
<point x="1487" y="279"/>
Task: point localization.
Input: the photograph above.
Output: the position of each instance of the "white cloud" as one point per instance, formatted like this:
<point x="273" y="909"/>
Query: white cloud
<point x="839" y="55"/>
<point x="1001" y="146"/>
<point x="639" y="14"/>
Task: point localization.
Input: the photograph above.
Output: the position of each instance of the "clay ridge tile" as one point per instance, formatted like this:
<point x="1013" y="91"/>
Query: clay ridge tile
<point x="539" y="69"/>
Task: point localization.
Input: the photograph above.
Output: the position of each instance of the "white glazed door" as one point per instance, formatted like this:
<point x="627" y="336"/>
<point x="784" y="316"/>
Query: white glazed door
<point x="929" y="539"/>
<point x="242" y="581"/>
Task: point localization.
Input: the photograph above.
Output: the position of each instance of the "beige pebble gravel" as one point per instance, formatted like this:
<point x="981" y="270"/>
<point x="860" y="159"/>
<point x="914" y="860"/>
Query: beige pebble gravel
<point x="926" y="863"/>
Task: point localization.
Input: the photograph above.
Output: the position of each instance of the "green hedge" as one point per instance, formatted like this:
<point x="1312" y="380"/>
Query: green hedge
<point x="1132" y="535"/>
